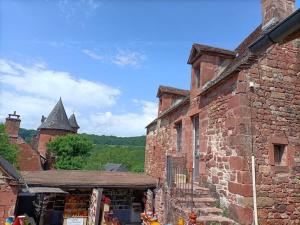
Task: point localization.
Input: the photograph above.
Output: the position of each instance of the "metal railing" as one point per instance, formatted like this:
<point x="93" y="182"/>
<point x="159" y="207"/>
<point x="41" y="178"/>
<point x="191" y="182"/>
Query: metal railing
<point x="180" y="182"/>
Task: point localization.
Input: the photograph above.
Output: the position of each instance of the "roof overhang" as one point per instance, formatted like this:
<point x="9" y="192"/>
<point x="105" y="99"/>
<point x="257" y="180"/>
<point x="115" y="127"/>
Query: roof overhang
<point x="283" y="32"/>
<point x="171" y="90"/>
<point x="199" y="49"/>
<point x="87" y="179"/>
<point x="43" y="190"/>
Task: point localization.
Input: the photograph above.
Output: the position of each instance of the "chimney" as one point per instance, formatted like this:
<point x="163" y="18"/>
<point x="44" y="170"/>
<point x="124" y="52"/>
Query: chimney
<point x="12" y="126"/>
<point x="274" y="11"/>
<point x="43" y="119"/>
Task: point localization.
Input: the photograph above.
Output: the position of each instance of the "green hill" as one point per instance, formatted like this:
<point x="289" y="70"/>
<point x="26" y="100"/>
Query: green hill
<point x="129" y="151"/>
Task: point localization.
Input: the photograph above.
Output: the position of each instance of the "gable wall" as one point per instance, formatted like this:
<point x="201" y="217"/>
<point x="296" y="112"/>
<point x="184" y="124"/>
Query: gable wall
<point x="276" y="102"/>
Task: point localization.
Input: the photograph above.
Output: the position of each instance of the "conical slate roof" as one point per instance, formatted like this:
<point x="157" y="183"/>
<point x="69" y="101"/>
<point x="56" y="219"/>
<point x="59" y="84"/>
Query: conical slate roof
<point x="73" y="122"/>
<point x="57" y="119"/>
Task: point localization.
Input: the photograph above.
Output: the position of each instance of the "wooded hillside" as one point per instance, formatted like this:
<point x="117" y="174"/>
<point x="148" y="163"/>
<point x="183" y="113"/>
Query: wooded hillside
<point x="129" y="151"/>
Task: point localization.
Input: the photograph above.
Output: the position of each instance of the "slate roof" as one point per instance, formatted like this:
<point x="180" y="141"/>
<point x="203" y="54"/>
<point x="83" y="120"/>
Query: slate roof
<point x="9" y="169"/>
<point x="112" y="167"/>
<point x="57" y="119"/>
<point x="87" y="179"/>
<point x="166" y="89"/>
<point x="73" y="122"/>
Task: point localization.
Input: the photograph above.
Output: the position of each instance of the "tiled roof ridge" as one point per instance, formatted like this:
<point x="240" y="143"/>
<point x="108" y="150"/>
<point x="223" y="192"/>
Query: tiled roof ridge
<point x="169" y="89"/>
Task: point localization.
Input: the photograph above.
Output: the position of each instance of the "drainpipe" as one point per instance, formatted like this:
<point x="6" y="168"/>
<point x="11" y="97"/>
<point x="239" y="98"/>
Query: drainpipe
<point x="251" y="86"/>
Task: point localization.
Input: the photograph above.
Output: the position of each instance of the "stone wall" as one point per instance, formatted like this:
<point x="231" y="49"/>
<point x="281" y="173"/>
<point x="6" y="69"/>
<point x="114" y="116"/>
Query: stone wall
<point x="8" y="197"/>
<point x="161" y="142"/>
<point x="27" y="158"/>
<point x="225" y="146"/>
<point x="46" y="135"/>
<point x="276" y="101"/>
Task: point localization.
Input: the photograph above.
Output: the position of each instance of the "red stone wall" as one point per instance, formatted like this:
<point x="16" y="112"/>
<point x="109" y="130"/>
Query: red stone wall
<point x="8" y="197"/>
<point x="12" y="127"/>
<point x="226" y="138"/>
<point x="276" y="101"/>
<point x="225" y="143"/>
<point x="161" y="141"/>
<point x="207" y="65"/>
<point x="27" y="158"/>
<point x="276" y="9"/>
<point x="45" y="136"/>
<point x="166" y="101"/>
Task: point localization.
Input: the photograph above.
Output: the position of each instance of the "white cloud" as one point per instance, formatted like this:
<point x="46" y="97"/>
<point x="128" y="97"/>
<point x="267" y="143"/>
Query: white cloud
<point x="30" y="108"/>
<point x="40" y="81"/>
<point x="69" y="8"/>
<point x="121" y="57"/>
<point x="33" y="91"/>
<point x="128" y="124"/>
<point x="93" y="55"/>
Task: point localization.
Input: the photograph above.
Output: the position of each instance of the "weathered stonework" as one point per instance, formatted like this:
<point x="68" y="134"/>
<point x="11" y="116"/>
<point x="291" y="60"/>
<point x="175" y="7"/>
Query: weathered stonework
<point x="8" y="197"/>
<point x="236" y="122"/>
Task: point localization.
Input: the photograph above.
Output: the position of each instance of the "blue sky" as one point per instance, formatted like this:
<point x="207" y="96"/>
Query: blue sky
<point x="107" y="58"/>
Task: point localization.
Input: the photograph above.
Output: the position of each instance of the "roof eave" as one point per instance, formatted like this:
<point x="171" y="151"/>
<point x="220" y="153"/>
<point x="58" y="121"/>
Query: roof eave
<point x="279" y="34"/>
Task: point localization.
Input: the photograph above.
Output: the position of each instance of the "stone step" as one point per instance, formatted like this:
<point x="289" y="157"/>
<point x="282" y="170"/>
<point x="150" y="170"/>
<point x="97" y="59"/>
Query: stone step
<point x="195" y="187"/>
<point x="215" y="218"/>
<point x="208" y="210"/>
<point x="189" y="194"/>
<point x="197" y="200"/>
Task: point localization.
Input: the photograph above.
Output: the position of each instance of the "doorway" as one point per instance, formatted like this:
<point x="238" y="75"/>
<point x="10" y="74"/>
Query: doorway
<point x="196" y="146"/>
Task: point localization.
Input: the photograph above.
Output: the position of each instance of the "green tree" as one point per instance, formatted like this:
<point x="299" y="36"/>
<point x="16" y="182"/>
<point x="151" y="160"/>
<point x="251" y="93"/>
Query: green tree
<point x="71" y="151"/>
<point x="7" y="150"/>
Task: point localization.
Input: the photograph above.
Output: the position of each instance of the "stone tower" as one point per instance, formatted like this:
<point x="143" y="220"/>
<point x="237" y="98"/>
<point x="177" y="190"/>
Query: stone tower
<point x="56" y="124"/>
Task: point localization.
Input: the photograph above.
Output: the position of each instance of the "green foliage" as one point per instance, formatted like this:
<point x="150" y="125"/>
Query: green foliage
<point x="71" y="151"/>
<point x="7" y="150"/>
<point x="96" y="139"/>
<point x="129" y="151"/>
<point x="113" y="140"/>
<point x="130" y="156"/>
<point x="27" y="135"/>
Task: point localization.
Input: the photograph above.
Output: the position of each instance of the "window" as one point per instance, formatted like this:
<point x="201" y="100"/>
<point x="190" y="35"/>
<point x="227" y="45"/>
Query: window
<point x="279" y="151"/>
<point x="179" y="136"/>
<point x="197" y="77"/>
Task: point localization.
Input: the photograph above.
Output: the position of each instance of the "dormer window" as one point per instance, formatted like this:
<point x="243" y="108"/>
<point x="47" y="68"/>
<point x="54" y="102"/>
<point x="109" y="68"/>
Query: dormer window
<point x="197" y="77"/>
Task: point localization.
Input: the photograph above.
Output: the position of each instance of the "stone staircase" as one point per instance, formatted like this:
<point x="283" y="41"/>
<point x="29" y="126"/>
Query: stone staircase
<point x="204" y="206"/>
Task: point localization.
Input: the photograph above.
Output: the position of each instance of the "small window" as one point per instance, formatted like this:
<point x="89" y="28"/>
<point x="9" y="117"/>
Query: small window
<point x="197" y="77"/>
<point x="179" y="136"/>
<point x="279" y="151"/>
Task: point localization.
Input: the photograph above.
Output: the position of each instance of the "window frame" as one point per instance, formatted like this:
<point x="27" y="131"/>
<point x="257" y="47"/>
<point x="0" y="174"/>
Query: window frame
<point x="179" y="131"/>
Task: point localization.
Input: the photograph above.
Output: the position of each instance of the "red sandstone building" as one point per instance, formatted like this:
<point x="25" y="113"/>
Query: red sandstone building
<point x="241" y="103"/>
<point x="35" y="156"/>
<point x="9" y="188"/>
